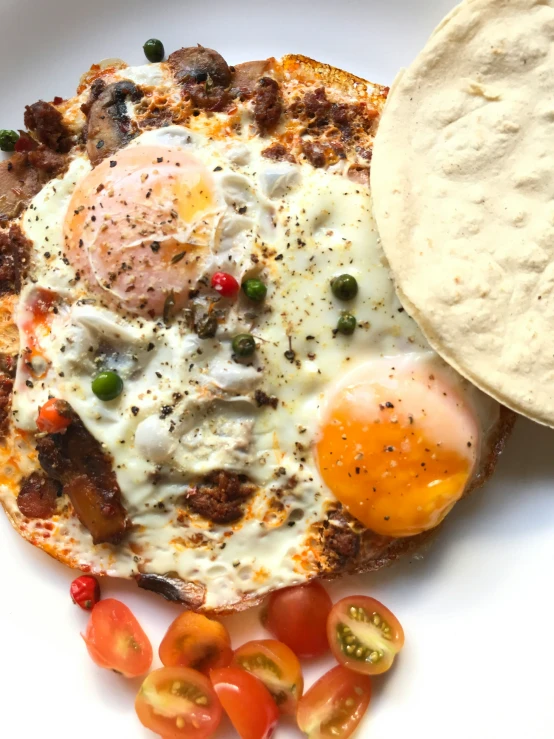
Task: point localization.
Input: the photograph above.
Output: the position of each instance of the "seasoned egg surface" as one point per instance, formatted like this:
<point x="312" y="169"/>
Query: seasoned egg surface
<point x="234" y="470"/>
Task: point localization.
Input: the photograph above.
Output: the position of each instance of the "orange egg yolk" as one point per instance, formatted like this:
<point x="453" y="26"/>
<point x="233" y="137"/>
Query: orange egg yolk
<point x="397" y="447"/>
<point x="140" y="225"/>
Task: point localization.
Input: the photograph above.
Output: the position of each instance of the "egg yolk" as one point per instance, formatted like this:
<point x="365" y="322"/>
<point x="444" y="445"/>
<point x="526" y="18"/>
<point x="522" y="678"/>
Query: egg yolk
<point x="397" y="447"/>
<point x="140" y="225"/>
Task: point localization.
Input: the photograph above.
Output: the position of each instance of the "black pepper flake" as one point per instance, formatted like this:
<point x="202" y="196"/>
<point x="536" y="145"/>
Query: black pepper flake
<point x="166" y="411"/>
<point x="218" y="169"/>
<point x="389" y="449"/>
<point x="178" y="257"/>
<point x="100" y="144"/>
<point x="387" y="518"/>
<point x="149" y="193"/>
<point x="155" y="246"/>
<point x="262" y="399"/>
<point x="242" y="210"/>
<point x="278" y="257"/>
<point x="134" y="410"/>
<point x="290" y="355"/>
<point x="29" y="383"/>
<point x="113" y="163"/>
<point x="93" y="218"/>
<point x="388" y="404"/>
<point x="150" y="347"/>
<point x="160" y="160"/>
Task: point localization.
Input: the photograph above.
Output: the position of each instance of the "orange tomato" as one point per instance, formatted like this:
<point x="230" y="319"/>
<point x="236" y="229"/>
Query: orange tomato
<point x="277" y="667"/>
<point x="246" y="701"/>
<point x="298" y="617"/>
<point x="115" y="639"/>
<point x="334" y="705"/>
<point x="364" y="635"/>
<point x="178" y="703"/>
<point x="196" y="641"/>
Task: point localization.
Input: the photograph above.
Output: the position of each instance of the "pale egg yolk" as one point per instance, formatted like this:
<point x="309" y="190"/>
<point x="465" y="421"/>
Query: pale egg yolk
<point x="397" y="446"/>
<point x="140" y="225"/>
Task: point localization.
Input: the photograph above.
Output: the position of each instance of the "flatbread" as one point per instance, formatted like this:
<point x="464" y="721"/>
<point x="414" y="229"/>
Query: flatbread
<point x="463" y="186"/>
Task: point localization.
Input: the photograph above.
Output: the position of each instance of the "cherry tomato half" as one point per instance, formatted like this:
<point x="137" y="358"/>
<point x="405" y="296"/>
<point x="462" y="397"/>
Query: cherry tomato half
<point x="115" y="639"/>
<point x="334" y="705"/>
<point x="298" y="617"/>
<point x="178" y="703"/>
<point x="277" y="667"/>
<point x="195" y="641"/>
<point x="364" y="635"/>
<point x="246" y="701"/>
<point x="53" y="417"/>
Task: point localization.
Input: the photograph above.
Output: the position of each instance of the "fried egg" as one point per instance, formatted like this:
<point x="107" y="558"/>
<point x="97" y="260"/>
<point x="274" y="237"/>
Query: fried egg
<point x="123" y="254"/>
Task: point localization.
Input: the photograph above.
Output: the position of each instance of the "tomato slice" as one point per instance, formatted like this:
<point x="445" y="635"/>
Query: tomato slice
<point x="334" y="705"/>
<point x="178" y="703"/>
<point x="364" y="635"/>
<point x="247" y="702"/>
<point x="115" y="639"/>
<point x="277" y="667"/>
<point x="298" y="617"/>
<point x="195" y="641"/>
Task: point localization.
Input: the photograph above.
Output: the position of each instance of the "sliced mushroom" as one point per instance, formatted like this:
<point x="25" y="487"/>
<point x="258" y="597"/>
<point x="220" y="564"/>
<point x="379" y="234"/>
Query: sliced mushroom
<point x="174" y="589"/>
<point x="199" y="64"/>
<point x="108" y="124"/>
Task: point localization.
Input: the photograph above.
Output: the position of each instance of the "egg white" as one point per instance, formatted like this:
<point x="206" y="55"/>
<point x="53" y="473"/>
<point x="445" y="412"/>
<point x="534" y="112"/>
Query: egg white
<point x="306" y="226"/>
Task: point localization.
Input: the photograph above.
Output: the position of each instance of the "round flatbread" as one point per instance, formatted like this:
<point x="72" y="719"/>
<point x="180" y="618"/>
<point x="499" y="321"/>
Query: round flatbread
<point x="463" y="187"/>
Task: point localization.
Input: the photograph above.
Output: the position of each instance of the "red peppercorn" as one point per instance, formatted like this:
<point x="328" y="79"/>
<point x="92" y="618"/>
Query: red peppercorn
<point x="85" y="592"/>
<point x="225" y="284"/>
<point x="25" y="143"/>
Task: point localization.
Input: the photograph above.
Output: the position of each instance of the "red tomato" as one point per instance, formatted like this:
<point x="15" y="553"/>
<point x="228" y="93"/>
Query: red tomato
<point x="225" y="284"/>
<point x="277" y="667"/>
<point x="115" y="639"/>
<point x="364" y="635"/>
<point x="248" y="704"/>
<point x="52" y="418"/>
<point x="195" y="641"/>
<point x="334" y="705"/>
<point x="178" y="703"/>
<point x="298" y="617"/>
<point x="85" y="592"/>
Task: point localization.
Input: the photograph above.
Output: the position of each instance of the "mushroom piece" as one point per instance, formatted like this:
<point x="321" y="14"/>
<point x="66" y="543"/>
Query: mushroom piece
<point x="108" y="124"/>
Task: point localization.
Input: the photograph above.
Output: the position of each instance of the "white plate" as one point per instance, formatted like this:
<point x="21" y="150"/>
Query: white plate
<point x="476" y="608"/>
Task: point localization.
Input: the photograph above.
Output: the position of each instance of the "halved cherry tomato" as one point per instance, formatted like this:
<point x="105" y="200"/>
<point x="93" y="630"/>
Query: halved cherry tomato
<point x="53" y="417"/>
<point x="364" y="635"/>
<point x="115" y="639"/>
<point x="178" y="703"/>
<point x="248" y="704"/>
<point x="195" y="641"/>
<point x="277" y="667"/>
<point x="298" y="617"/>
<point x="334" y="705"/>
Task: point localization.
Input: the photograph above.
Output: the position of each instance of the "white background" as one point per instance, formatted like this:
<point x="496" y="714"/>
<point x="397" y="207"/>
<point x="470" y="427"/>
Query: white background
<point x="477" y="608"/>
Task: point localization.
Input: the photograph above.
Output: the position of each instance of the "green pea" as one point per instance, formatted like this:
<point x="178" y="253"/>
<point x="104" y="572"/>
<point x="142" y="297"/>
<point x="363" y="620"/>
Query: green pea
<point x="8" y="139"/>
<point x="154" y="50"/>
<point x="344" y="287"/>
<point x="346" y="324"/>
<point x="244" y="345"/>
<point x="254" y="289"/>
<point x="107" y="385"/>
